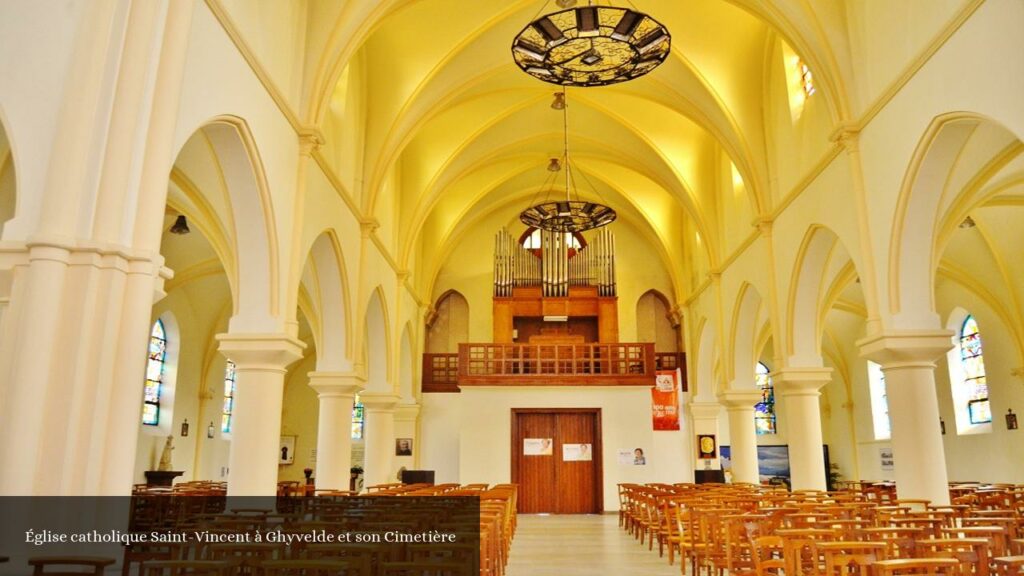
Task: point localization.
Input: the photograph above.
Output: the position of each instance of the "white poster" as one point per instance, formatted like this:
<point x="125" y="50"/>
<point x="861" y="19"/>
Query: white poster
<point x="886" y="457"/>
<point x="632" y="457"/>
<point x="577" y="453"/>
<point x="537" y="447"/>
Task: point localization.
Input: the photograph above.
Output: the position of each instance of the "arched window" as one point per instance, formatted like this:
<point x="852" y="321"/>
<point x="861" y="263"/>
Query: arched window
<point x="229" y="397"/>
<point x="358" y="419"/>
<point x="155" y="368"/>
<point x="972" y="362"/>
<point x="764" y="411"/>
<point x="879" y="402"/>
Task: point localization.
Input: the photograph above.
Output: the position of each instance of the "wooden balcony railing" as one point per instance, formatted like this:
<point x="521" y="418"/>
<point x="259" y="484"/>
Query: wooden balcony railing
<point x="582" y="364"/>
<point x="440" y="372"/>
<point x="557" y="364"/>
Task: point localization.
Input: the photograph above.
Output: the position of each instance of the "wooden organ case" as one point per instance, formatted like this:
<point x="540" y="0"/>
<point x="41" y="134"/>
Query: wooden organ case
<point x="557" y="294"/>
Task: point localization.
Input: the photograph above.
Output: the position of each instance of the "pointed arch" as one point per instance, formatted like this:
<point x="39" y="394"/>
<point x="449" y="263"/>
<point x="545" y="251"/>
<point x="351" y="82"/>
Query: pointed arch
<point x="325" y="279"/>
<point x="821" y="260"/>
<point x="377" y="343"/>
<point x="920" y="209"/>
<point x="250" y="225"/>
<point x="8" y="176"/>
<point x="743" y="335"/>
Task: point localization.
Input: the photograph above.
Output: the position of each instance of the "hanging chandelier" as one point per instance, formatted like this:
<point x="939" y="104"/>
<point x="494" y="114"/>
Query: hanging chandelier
<point x="571" y="214"/>
<point x="591" y="46"/>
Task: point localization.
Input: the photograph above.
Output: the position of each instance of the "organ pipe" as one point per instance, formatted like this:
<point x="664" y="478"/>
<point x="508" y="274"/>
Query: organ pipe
<point x="554" y="271"/>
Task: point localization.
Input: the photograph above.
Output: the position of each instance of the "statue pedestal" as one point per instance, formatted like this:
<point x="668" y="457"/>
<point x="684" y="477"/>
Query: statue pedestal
<point x="161" y="477"/>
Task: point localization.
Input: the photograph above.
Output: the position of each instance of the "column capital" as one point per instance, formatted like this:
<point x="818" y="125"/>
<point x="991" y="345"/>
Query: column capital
<point x="740" y="399"/>
<point x="336" y="384"/>
<point x="261" y="351"/>
<point x="846" y="134"/>
<point x="379" y="401"/>
<point x="310" y="140"/>
<point x="906" y="348"/>
<point x="368" y="225"/>
<point x="808" y="381"/>
<point x="407" y="412"/>
<point x="705" y="410"/>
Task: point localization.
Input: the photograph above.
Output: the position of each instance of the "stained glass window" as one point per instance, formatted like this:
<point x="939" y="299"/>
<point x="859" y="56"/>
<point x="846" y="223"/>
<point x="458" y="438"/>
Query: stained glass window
<point x="154" y="374"/>
<point x="764" y="411"/>
<point x="229" y="397"/>
<point x="806" y="79"/>
<point x="358" y="420"/>
<point x="973" y="363"/>
<point x="879" y="402"/>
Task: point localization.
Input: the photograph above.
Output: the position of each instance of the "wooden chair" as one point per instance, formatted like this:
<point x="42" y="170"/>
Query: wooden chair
<point x="901" y="541"/>
<point x="928" y="566"/>
<point x="187" y="568"/>
<point x="41" y="565"/>
<point x="424" y="569"/>
<point x="139" y="553"/>
<point x="768" y="556"/>
<point x="851" y="558"/>
<point x="972" y="553"/>
<point x="1009" y="566"/>
<point x="312" y="568"/>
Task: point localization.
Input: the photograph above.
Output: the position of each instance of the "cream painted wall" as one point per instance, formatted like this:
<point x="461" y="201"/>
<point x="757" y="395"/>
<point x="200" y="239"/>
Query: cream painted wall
<point x="299" y="418"/>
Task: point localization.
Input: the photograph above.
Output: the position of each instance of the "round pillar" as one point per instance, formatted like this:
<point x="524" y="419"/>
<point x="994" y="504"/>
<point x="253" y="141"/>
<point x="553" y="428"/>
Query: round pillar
<point x="800" y="389"/>
<point x="261" y="362"/>
<point x="907" y="358"/>
<point x="379" y="436"/>
<point x="742" y="435"/>
<point x="336" y="392"/>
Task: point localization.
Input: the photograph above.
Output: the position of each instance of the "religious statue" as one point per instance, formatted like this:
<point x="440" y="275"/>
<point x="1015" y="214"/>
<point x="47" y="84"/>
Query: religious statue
<point x="165" y="456"/>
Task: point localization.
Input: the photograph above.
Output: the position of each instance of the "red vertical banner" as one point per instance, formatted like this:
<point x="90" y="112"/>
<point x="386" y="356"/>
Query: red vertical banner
<point x="665" y="400"/>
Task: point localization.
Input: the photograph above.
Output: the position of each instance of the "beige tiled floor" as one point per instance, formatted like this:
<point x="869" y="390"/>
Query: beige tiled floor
<point x="581" y="545"/>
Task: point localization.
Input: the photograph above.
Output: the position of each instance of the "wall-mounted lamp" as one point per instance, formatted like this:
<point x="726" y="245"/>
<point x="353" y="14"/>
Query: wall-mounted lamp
<point x="1011" y="420"/>
<point x="184" y="427"/>
<point x="180" y="226"/>
<point x="209" y="430"/>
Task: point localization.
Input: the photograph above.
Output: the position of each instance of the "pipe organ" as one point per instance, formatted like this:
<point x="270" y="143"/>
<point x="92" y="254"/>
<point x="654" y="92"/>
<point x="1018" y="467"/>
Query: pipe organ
<point x="558" y="267"/>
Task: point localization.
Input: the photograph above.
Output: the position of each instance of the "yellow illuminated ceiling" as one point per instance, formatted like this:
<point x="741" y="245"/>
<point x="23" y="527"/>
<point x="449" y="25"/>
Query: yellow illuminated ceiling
<point x="433" y="127"/>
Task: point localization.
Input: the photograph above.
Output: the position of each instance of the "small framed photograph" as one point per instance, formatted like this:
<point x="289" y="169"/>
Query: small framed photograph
<point x="403" y="447"/>
<point x="707" y="448"/>
<point x="286" y="453"/>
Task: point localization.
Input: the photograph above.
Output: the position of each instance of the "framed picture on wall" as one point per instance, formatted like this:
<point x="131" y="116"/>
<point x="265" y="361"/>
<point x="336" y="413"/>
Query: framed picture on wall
<point x="403" y="447"/>
<point x="286" y="453"/>
<point x="707" y="448"/>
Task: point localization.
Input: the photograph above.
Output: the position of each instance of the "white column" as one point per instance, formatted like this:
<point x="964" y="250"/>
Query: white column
<point x="379" y="437"/>
<point x="742" y="436"/>
<point x="34" y="337"/>
<point x="704" y="416"/>
<point x="800" y="389"/>
<point x="261" y="362"/>
<point x="908" y="360"/>
<point x="337" y="392"/>
<point x="121" y="435"/>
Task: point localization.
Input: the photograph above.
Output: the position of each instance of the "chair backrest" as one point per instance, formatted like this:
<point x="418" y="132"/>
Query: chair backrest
<point x="926" y="566"/>
<point x="851" y="558"/>
<point x="59" y="565"/>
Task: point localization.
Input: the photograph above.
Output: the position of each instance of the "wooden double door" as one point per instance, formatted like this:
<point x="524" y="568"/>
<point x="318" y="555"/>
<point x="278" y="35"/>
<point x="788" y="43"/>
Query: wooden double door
<point x="556" y="460"/>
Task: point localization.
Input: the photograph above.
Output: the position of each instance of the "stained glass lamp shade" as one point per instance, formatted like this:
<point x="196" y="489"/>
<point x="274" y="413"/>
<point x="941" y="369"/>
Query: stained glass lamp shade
<point x="591" y="46"/>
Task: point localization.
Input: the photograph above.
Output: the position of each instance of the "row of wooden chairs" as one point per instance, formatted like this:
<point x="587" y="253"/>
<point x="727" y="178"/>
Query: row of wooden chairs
<point x="759" y="530"/>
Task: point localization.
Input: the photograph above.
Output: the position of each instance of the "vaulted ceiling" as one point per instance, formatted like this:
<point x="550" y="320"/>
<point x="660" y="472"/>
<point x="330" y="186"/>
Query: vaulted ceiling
<point x="432" y="127"/>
